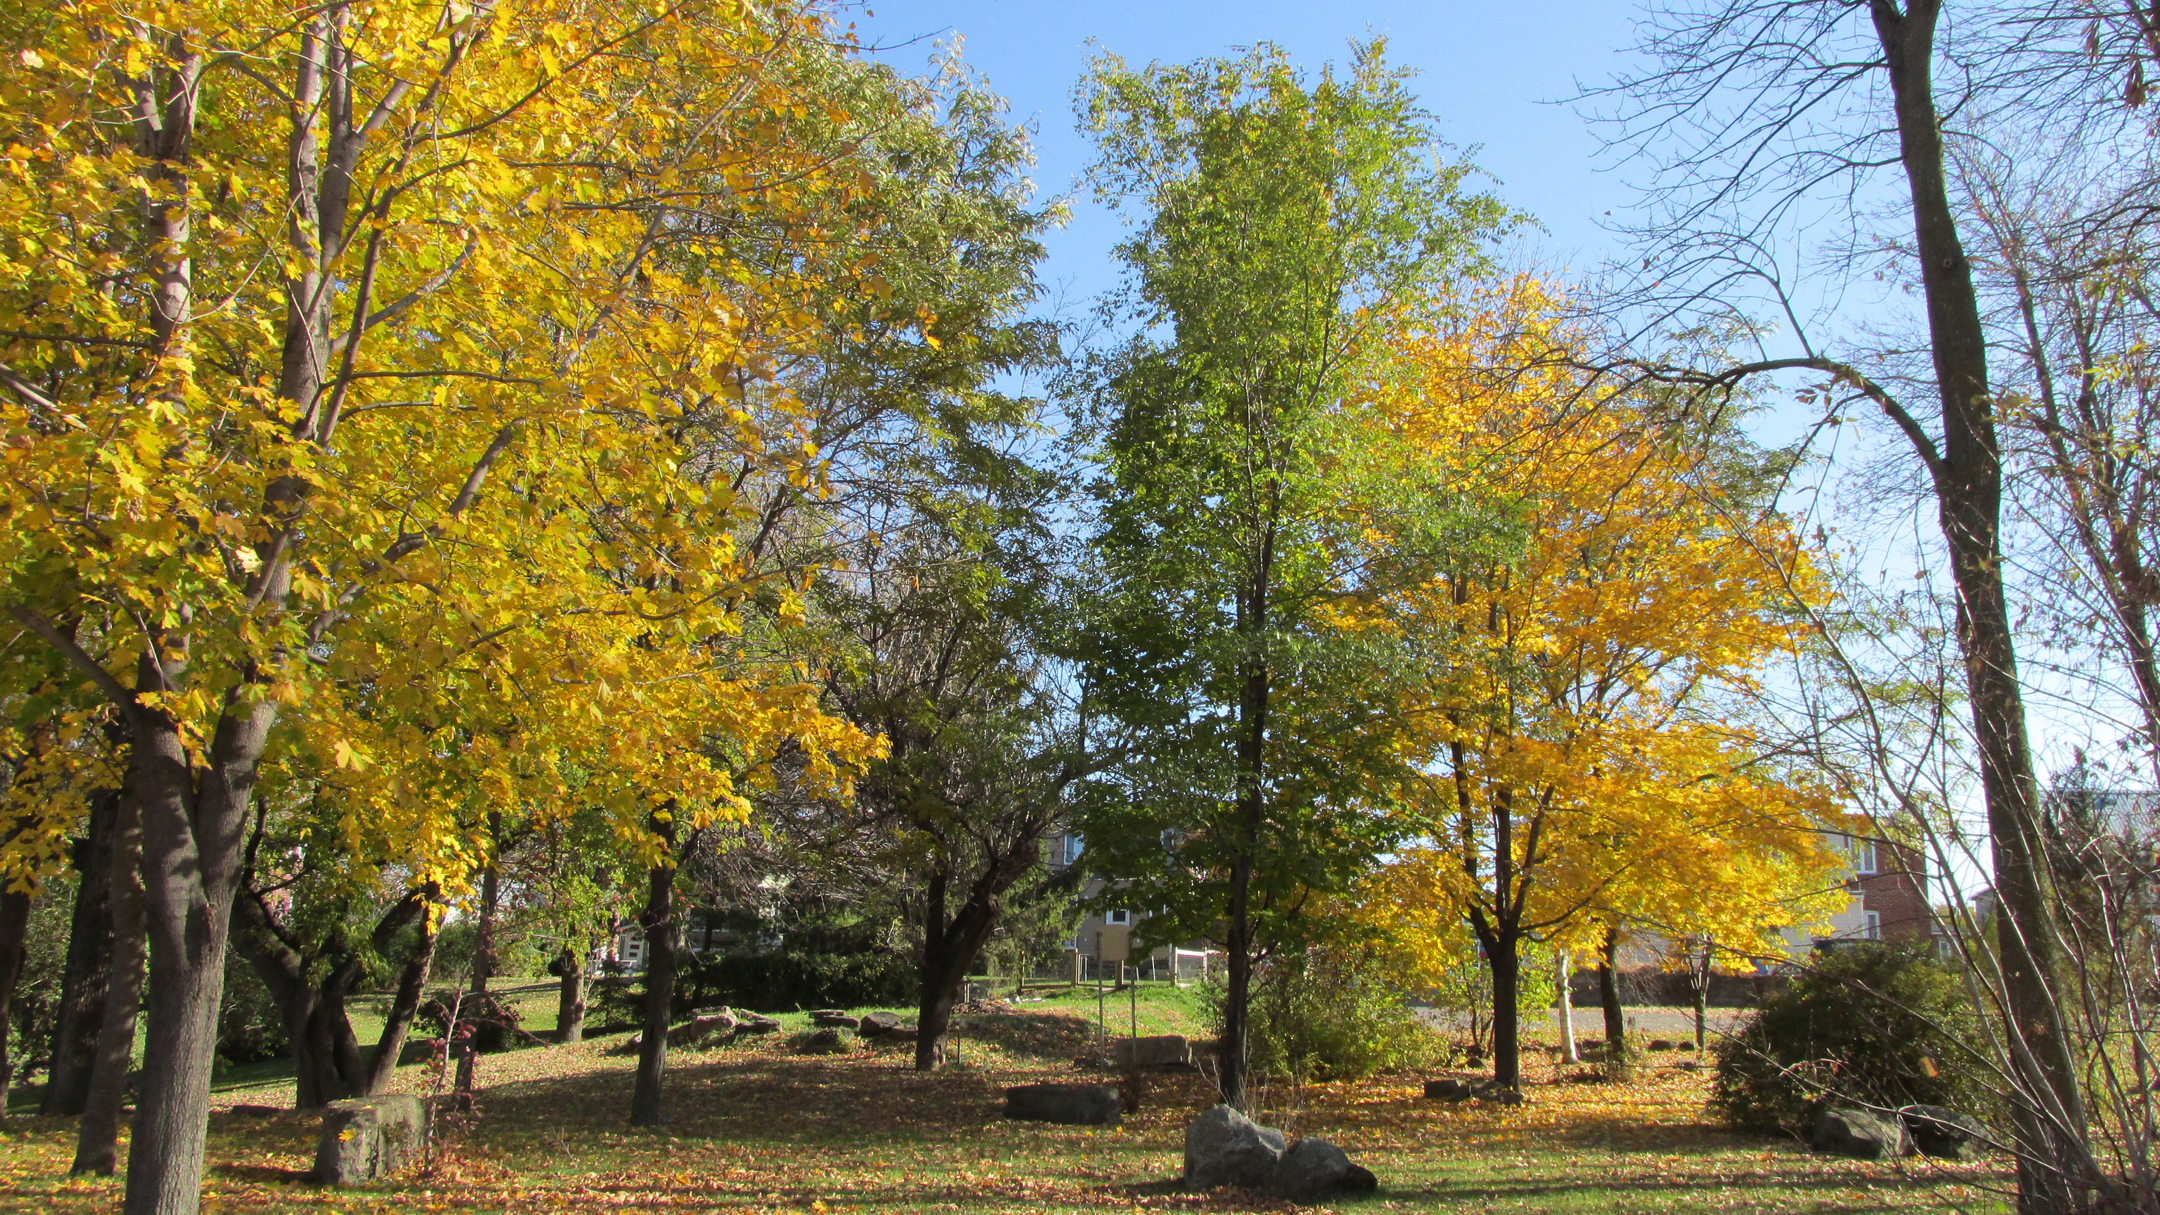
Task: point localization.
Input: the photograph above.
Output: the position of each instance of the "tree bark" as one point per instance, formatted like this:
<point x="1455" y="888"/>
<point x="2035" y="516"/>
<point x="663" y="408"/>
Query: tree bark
<point x="97" y="1136"/>
<point x="14" y="933"/>
<point x="88" y="964"/>
<point x="2048" y="1113"/>
<point x="1608" y="987"/>
<point x="658" y="923"/>
<point x="570" y="996"/>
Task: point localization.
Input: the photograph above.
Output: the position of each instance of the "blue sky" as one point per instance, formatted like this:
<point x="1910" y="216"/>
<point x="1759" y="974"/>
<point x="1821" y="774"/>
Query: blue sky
<point x="1496" y="76"/>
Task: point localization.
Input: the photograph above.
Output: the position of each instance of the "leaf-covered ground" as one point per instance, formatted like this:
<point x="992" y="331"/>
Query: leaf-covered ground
<point x="757" y="1129"/>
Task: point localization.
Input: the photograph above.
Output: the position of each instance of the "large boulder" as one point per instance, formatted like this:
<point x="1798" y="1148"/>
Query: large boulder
<point x="757" y="1023"/>
<point x="1163" y="1050"/>
<point x="1845" y="1131"/>
<point x="834" y="1020"/>
<point x="1450" y="1090"/>
<point x="1314" y="1169"/>
<point x="1069" y="1104"/>
<point x="367" y="1140"/>
<point x="1224" y="1147"/>
<point x="1936" y="1131"/>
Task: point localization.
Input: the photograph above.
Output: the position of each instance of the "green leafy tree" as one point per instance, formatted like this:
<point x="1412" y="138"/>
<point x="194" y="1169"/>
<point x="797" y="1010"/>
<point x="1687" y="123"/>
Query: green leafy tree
<point x="1289" y="222"/>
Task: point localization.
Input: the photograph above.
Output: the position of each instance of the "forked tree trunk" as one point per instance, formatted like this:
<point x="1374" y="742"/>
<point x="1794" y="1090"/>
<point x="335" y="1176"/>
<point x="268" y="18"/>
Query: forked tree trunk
<point x="658" y="923"/>
<point x="14" y="934"/>
<point x="88" y="965"/>
<point x="949" y="950"/>
<point x="1503" y="954"/>
<point x="97" y="1135"/>
<point x="570" y="995"/>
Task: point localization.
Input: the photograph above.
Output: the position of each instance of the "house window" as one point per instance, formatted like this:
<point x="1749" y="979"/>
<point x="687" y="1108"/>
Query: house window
<point x="1874" y="925"/>
<point x="1072" y="849"/>
<point x="1863" y="857"/>
<point x="1117" y="917"/>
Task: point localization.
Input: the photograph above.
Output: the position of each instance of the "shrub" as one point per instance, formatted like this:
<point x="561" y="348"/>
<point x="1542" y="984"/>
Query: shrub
<point x="496" y="1023"/>
<point x="776" y="982"/>
<point x="1328" y="1014"/>
<point x="250" y="1026"/>
<point x="1875" y="1024"/>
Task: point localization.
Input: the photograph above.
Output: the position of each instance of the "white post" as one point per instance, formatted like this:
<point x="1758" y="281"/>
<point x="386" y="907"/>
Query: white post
<point x="1567" y="1007"/>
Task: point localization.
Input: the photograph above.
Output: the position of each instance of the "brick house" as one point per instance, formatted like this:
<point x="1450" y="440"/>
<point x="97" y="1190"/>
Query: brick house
<point x="1886" y="884"/>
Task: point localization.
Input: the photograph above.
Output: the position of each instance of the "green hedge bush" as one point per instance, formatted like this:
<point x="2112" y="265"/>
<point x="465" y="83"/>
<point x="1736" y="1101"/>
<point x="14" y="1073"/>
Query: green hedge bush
<point x="1876" y="1024"/>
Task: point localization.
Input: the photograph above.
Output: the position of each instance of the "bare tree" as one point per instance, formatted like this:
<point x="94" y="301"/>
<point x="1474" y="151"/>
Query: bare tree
<point x="1756" y="115"/>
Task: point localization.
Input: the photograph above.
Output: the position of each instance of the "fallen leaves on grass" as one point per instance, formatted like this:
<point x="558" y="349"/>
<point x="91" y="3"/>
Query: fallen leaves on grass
<point x="756" y="1130"/>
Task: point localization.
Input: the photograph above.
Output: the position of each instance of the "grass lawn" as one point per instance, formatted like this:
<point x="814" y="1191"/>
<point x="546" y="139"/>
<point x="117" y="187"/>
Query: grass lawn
<point x="758" y="1129"/>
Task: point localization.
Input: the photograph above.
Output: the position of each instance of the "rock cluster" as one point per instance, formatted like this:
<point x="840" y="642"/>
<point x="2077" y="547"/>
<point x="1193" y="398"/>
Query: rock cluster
<point x="1464" y="1090"/>
<point x="1224" y="1147"/>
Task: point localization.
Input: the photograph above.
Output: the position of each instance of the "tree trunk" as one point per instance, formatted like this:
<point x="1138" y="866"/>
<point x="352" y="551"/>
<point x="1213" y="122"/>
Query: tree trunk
<point x="1608" y="988"/>
<point x="192" y="835"/>
<point x="2048" y="1111"/>
<point x="948" y="951"/>
<point x="88" y="965"/>
<point x="570" y="999"/>
<point x="1699" y="981"/>
<point x="14" y="933"/>
<point x="1505" y="957"/>
<point x="1563" y="966"/>
<point x="97" y="1135"/>
<point x="1235" y="1049"/>
<point x="412" y="983"/>
<point x="658" y="923"/>
<point x="483" y="965"/>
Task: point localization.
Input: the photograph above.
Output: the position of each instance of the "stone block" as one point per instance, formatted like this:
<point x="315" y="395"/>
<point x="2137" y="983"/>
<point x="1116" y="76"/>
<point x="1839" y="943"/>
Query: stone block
<point x="1162" y="1050"/>
<point x="369" y="1139"/>
<point x="1068" y="1104"/>
<point x="1314" y="1169"/>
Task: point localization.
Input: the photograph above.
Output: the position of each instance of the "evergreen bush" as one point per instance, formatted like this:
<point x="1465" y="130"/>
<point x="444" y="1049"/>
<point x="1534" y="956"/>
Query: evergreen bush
<point x="1873" y="1024"/>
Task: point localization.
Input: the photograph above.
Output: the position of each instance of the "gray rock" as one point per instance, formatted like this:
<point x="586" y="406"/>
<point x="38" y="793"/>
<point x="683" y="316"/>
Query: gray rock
<point x="1224" y="1147"/>
<point x="1448" y="1090"/>
<point x="834" y="1020"/>
<point x="1945" y="1133"/>
<point x="757" y="1023"/>
<point x="1844" y="1131"/>
<point x="873" y="1024"/>
<point x="366" y="1140"/>
<point x="1069" y="1104"/>
<point x="698" y="1030"/>
<point x="1310" y="1170"/>
<point x="1163" y="1050"/>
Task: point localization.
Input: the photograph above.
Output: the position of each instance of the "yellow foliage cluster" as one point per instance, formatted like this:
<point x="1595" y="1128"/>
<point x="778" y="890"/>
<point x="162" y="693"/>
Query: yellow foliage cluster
<point x="488" y="552"/>
<point x="1585" y="732"/>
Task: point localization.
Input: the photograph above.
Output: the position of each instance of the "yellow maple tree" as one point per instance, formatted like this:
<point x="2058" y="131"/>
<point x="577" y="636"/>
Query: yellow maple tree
<point x="1584" y="730"/>
<point x="367" y="377"/>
